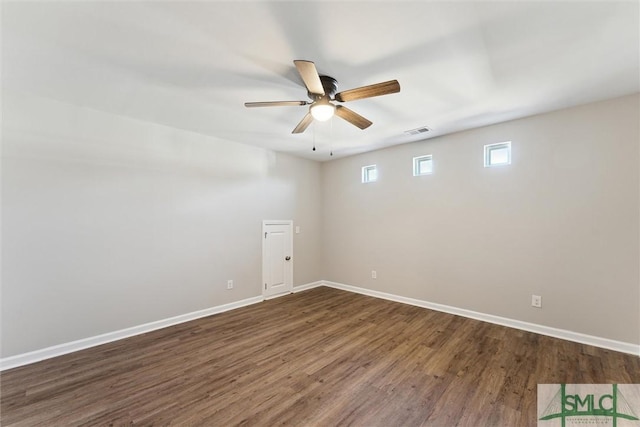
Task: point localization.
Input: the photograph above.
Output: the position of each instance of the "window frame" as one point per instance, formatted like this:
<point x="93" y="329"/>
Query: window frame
<point x="493" y="147"/>
<point x="416" y="165"/>
<point x="366" y="170"/>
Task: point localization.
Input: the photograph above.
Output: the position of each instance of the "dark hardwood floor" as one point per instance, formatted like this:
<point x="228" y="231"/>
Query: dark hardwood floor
<point x="322" y="357"/>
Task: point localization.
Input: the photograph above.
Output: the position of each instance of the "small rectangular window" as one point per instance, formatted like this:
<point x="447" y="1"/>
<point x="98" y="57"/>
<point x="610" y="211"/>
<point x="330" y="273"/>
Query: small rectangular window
<point x="369" y="173"/>
<point x="497" y="154"/>
<point x="423" y="165"/>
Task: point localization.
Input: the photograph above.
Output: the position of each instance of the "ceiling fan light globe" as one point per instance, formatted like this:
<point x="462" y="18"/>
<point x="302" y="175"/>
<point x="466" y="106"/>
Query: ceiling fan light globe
<point x="322" y="112"/>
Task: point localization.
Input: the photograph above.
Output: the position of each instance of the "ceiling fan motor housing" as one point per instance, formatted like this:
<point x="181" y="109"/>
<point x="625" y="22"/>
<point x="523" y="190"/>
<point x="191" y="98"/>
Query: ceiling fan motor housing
<point x="330" y="86"/>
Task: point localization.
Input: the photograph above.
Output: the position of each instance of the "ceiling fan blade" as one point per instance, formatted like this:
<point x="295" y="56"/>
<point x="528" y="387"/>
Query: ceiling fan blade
<point x="310" y="76"/>
<point x="378" y="89"/>
<point x="352" y="117"/>
<point x="275" y="104"/>
<point x="304" y="123"/>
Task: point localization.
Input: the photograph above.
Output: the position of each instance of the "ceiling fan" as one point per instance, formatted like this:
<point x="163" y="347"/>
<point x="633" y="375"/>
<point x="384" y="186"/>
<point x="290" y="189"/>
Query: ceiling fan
<point x="322" y="91"/>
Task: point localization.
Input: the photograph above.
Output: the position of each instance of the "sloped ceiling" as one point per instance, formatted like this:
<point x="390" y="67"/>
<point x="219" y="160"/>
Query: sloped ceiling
<point x="192" y="65"/>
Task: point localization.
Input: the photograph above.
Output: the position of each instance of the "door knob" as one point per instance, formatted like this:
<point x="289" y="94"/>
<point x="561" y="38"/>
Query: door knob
<point x="287" y="258"/>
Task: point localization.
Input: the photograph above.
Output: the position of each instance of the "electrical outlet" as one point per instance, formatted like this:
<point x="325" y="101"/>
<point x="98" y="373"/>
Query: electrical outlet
<point x="536" y="301"/>
<point x="229" y="284"/>
<point x="374" y="275"/>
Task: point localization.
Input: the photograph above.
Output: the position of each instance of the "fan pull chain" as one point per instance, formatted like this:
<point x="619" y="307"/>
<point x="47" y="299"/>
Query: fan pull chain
<point x="331" y="138"/>
<point x="314" y="136"/>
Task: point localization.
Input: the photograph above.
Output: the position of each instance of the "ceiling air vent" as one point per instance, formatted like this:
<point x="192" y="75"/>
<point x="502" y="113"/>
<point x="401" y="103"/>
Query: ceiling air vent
<point x="417" y="131"/>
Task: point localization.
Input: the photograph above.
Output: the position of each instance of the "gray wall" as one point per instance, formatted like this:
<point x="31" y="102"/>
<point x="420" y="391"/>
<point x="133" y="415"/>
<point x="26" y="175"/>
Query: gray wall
<point x="109" y="222"/>
<point x="561" y="221"/>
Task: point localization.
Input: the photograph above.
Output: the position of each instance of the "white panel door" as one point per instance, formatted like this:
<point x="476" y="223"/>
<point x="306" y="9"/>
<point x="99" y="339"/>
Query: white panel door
<point x="277" y="258"/>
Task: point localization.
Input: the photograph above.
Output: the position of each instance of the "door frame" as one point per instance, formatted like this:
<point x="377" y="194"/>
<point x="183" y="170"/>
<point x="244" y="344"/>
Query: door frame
<point x="265" y="224"/>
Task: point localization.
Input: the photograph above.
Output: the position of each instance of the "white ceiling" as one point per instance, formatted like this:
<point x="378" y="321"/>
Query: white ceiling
<point x="192" y="65"/>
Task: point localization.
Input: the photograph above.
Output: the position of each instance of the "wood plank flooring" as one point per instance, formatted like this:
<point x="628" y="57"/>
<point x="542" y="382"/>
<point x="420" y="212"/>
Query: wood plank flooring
<point x="322" y="357"/>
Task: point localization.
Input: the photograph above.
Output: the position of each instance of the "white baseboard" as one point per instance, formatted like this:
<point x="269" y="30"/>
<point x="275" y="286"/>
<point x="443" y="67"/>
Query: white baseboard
<point x="620" y="346"/>
<point x="306" y="286"/>
<point x="70" y="347"/>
